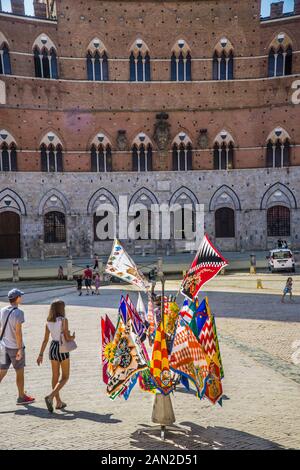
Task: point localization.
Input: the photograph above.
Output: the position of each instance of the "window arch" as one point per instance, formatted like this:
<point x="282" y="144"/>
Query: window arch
<point x="51" y="154"/>
<point x="223" y="60"/>
<point x="224" y="151"/>
<point x="8" y="152"/>
<point x="45" y="58"/>
<point x="279" y="221"/>
<point x="139" y="62"/>
<point x="182" y="152"/>
<point x="278" y="149"/>
<point x="280" y="56"/>
<point x="184" y="203"/>
<point x="101" y="158"/>
<point x="181" y="62"/>
<point x="224" y="223"/>
<point x="142" y="151"/>
<point x="5" y="66"/>
<point x="97" y="61"/>
<point x="54" y="227"/>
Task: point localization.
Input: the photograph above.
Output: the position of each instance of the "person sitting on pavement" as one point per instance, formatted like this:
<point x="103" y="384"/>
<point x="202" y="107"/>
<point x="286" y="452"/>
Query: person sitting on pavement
<point x="11" y="337"/>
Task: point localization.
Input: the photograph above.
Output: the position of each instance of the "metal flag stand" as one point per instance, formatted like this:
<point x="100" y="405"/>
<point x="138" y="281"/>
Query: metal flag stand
<point x="162" y="412"/>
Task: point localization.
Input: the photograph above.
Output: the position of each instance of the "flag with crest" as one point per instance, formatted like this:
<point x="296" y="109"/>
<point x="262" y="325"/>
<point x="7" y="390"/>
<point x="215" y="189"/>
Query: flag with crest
<point x="107" y="334"/>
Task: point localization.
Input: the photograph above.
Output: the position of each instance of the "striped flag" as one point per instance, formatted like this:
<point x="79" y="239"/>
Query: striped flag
<point x="159" y="367"/>
<point x="108" y="331"/>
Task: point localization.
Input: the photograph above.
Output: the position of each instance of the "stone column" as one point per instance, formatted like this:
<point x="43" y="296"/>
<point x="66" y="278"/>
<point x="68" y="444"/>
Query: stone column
<point x="17" y="7"/>
<point x="70" y="269"/>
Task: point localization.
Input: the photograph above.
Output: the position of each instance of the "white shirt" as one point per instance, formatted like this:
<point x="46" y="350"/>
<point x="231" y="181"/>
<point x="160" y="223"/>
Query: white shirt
<point x="55" y="328"/>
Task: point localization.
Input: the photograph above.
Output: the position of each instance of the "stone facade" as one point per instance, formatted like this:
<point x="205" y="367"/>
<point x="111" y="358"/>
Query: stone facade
<point x="76" y="111"/>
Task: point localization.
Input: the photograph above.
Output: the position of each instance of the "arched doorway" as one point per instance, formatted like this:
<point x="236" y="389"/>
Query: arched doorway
<point x="10" y="246"/>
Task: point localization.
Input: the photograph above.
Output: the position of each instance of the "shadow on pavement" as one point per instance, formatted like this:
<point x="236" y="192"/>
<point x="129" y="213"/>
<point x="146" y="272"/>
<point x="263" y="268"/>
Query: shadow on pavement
<point x="200" y="438"/>
<point x="66" y="415"/>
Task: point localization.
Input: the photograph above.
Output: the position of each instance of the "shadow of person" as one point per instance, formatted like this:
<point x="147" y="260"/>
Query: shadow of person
<point x="200" y="438"/>
<point x="64" y="415"/>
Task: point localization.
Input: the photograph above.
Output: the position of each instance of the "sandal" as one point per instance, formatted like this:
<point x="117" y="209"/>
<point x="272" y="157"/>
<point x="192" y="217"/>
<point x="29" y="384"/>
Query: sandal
<point x="49" y="404"/>
<point x="62" y="406"/>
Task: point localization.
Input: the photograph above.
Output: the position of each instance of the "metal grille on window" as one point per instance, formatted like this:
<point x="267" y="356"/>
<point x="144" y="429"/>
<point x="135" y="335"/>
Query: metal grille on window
<point x="278" y="221"/>
<point x="54" y="227"/>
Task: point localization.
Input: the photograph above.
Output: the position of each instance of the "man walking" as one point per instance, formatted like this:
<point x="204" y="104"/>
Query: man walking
<point x="88" y="276"/>
<point x="12" y="346"/>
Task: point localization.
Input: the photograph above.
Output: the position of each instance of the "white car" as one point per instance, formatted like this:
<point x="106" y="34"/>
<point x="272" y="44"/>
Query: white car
<point x="281" y="259"/>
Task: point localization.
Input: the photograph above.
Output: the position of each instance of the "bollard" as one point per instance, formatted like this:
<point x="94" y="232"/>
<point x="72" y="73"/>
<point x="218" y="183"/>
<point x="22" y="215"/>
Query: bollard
<point x="15" y="270"/>
<point x="252" y="264"/>
<point x="222" y="271"/>
<point x="259" y="284"/>
<point x="70" y="269"/>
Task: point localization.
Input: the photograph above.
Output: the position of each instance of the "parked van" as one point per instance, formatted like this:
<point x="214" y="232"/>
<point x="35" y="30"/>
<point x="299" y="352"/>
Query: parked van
<point x="281" y="259"/>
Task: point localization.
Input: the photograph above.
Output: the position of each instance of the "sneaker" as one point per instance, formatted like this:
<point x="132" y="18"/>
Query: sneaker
<point x="26" y="400"/>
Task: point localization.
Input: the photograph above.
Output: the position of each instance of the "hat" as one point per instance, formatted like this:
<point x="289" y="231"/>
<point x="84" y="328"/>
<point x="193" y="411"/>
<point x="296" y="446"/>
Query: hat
<point x="14" y="293"/>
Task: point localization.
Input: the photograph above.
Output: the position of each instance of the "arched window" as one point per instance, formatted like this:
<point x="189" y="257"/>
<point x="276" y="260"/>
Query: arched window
<point x="139" y="63"/>
<point x="280" y="56"/>
<point x="5" y="67"/>
<point x="45" y="63"/>
<point x="278" y="149"/>
<point x="97" y="65"/>
<point x="101" y="158"/>
<point x="182" y="155"/>
<point x="142" y="157"/>
<point x="51" y="158"/>
<point x="223" y="58"/>
<point x="223" y="152"/>
<point x="181" y="63"/>
<point x="278" y="221"/>
<point x="8" y="152"/>
<point x="54" y="227"/>
<point x="224" y="223"/>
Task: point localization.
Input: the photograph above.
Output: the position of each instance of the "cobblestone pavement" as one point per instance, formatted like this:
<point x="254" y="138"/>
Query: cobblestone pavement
<point x="262" y="386"/>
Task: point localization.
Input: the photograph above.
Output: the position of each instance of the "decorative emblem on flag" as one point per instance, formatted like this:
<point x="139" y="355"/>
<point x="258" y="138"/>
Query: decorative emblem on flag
<point x="128" y="359"/>
<point x="159" y="368"/>
<point x="107" y="334"/>
<point x="206" y="265"/>
<point x="122" y="266"/>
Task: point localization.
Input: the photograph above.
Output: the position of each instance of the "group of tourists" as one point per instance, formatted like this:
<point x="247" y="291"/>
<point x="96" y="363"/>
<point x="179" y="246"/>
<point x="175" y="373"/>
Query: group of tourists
<point x="91" y="281"/>
<point x="12" y="348"/>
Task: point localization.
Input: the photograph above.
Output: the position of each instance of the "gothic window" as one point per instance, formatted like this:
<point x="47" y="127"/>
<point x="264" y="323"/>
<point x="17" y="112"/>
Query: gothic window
<point x="142" y="157"/>
<point x="223" y="60"/>
<point x="101" y="158"/>
<point x="278" y="221"/>
<point x="224" y="223"/>
<point x="54" y="227"/>
<point x="97" y="65"/>
<point x="182" y="156"/>
<point x="8" y="157"/>
<point x="45" y="62"/>
<point x="5" y="67"/>
<point x="139" y="64"/>
<point x="51" y="158"/>
<point x="280" y="56"/>
<point x="278" y="149"/>
<point x="223" y="155"/>
<point x="181" y="63"/>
